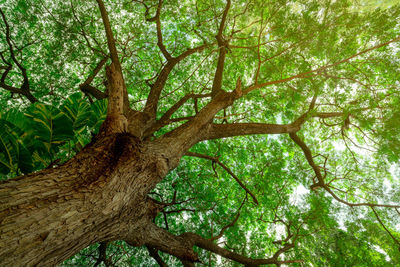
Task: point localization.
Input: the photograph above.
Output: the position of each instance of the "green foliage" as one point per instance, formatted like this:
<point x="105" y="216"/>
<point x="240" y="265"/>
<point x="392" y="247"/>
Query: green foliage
<point x="43" y="134"/>
<point x="62" y="42"/>
<point x="14" y="157"/>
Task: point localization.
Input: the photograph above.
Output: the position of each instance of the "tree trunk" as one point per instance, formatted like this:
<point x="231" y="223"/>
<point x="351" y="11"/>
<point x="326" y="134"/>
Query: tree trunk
<point x="100" y="194"/>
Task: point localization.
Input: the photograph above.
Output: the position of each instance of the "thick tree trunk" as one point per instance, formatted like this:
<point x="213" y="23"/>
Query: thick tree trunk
<point x="100" y="194"/>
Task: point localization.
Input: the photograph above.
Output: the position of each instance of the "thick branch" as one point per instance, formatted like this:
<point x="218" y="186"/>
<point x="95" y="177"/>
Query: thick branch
<point x="116" y="121"/>
<point x="178" y="141"/>
<point x="182" y="247"/>
<point x="222" y="44"/>
<point x="210" y="246"/>
<point x="109" y="34"/>
<point x="160" y="239"/>
<point x="93" y="91"/>
<point x="218" y="131"/>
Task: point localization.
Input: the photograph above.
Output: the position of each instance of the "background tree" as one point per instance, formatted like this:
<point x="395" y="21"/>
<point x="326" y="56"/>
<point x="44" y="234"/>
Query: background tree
<point x="199" y="132"/>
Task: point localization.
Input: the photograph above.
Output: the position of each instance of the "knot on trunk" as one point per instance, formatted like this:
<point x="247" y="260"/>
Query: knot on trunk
<point x="125" y="144"/>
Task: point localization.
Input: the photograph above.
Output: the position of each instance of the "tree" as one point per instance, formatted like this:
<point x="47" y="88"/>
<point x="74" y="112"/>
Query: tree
<point x="252" y="132"/>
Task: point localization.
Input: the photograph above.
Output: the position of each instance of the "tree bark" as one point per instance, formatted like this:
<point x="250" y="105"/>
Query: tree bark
<point x="99" y="195"/>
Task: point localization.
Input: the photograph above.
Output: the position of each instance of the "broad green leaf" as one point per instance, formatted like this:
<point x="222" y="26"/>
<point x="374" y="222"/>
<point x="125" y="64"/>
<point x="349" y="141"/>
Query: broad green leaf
<point x="99" y="114"/>
<point x="78" y="111"/>
<point x="14" y="157"/>
<point x="51" y="128"/>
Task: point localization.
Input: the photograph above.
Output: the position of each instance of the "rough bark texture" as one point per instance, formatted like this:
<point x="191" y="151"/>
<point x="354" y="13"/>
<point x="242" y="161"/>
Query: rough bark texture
<point x="57" y="212"/>
<point x="101" y="194"/>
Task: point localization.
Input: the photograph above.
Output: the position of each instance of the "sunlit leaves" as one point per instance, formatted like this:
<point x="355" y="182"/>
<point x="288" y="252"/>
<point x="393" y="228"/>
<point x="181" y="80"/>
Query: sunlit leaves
<point x="61" y="43"/>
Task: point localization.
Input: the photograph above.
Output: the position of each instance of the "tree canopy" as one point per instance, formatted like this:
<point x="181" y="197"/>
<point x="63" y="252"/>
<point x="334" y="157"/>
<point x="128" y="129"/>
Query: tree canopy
<point x="296" y="104"/>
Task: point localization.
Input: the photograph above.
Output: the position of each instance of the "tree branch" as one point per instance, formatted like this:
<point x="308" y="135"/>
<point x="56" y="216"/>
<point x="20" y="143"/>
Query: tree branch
<point x="160" y="239"/>
<point x="210" y="246"/>
<point x="384" y="227"/>
<point x="222" y="44"/>
<point x="182" y="247"/>
<point x="25" y="87"/>
<point x="216" y="160"/>
<point x="305" y="74"/>
<point x="218" y="131"/>
<point x="232" y="223"/>
<point x="158" y="86"/>
<point x="160" y="43"/>
<point x="109" y="34"/>
<point x="166" y="118"/>
<point x="321" y="183"/>
<point x="154" y="254"/>
<point x="86" y="88"/>
<point x="310" y="160"/>
<point x="179" y="140"/>
<point x="102" y="255"/>
<point x="118" y="103"/>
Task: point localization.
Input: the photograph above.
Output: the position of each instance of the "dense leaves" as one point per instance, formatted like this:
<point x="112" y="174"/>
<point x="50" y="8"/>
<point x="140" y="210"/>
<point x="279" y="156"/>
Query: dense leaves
<point x="44" y="134"/>
<point x="334" y="62"/>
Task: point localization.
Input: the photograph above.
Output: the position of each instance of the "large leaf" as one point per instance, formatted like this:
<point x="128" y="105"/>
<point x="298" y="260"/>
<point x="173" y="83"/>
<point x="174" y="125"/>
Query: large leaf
<point x="51" y="128"/>
<point x="99" y="114"/>
<point x="78" y="110"/>
<point x="14" y="156"/>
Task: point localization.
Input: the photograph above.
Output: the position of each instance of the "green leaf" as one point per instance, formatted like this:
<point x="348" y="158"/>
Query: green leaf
<point x="13" y="154"/>
<point x="78" y="111"/>
<point x="99" y="114"/>
<point x="51" y="128"/>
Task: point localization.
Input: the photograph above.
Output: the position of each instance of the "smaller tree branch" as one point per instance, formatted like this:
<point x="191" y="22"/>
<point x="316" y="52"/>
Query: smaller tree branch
<point x="160" y="43"/>
<point x="154" y="254"/>
<point x="216" y="160"/>
<point x="25" y="87"/>
<point x="102" y="255"/>
<point x="307" y="73"/>
<point x="166" y="118"/>
<point x="384" y="227"/>
<point x="232" y="223"/>
<point x="158" y="86"/>
<point x="210" y="246"/>
<point x="320" y="178"/>
<point x="310" y="160"/>
<point x="86" y="88"/>
<point x="150" y="108"/>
